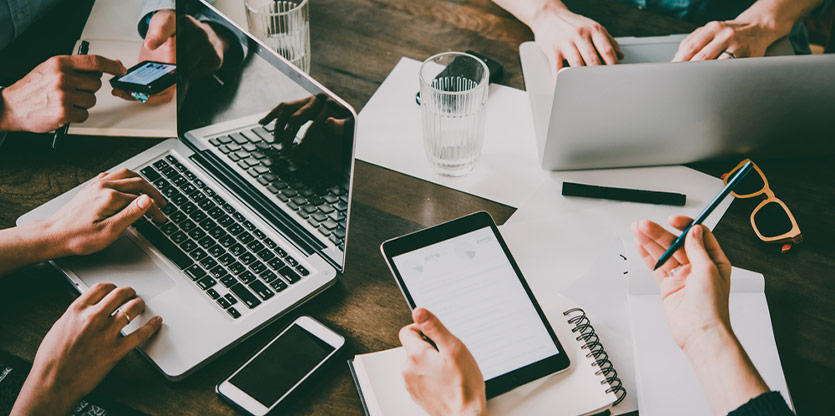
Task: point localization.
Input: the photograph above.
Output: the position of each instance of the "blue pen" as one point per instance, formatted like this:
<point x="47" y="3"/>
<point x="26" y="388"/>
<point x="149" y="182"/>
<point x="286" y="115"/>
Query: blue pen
<point x="61" y="131"/>
<point x="710" y="207"/>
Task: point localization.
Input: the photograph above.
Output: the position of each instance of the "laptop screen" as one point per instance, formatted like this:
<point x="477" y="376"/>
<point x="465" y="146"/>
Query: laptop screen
<point x="260" y="123"/>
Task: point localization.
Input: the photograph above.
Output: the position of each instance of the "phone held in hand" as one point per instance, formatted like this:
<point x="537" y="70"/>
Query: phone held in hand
<point x="147" y="77"/>
<point x="280" y="368"/>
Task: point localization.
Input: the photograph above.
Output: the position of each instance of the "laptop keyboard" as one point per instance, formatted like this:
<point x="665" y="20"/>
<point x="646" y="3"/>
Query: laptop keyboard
<point x="212" y="242"/>
<point x="312" y="197"/>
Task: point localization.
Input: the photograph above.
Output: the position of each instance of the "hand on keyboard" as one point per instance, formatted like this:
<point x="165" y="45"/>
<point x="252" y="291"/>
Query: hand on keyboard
<point x="96" y="217"/>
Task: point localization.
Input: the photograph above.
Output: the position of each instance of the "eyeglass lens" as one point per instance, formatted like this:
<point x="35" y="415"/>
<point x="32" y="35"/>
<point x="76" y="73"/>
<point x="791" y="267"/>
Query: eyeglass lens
<point x="750" y="184"/>
<point x="772" y="220"/>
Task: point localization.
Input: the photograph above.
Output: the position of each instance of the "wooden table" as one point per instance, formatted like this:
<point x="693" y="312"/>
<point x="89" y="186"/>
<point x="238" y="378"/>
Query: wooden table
<point x="355" y="44"/>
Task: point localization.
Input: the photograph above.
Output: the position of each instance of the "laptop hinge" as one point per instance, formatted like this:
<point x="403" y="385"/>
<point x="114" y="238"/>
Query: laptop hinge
<point x="262" y="206"/>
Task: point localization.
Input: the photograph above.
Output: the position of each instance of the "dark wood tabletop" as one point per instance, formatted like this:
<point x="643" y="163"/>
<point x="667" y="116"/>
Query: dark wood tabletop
<point x="355" y="44"/>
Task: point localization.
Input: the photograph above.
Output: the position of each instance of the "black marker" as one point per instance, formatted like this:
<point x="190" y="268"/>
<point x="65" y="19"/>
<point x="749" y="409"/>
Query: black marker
<point x="623" y="194"/>
<point x="61" y="131"/>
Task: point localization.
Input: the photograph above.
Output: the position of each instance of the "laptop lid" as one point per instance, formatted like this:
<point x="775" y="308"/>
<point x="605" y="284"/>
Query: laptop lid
<point x="253" y="82"/>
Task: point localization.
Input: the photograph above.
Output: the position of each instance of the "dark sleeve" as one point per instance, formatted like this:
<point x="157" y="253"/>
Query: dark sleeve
<point x="766" y="404"/>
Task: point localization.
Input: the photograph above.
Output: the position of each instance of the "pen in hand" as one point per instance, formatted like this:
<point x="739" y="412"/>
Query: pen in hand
<point x="83" y="48"/>
<point x="710" y="207"/>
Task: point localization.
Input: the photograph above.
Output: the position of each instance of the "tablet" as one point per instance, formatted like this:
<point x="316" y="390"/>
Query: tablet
<point x="463" y="272"/>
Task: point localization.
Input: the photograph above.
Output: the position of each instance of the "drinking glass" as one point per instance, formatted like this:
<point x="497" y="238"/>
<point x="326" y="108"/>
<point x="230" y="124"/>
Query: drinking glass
<point x="453" y="94"/>
<point x="284" y="26"/>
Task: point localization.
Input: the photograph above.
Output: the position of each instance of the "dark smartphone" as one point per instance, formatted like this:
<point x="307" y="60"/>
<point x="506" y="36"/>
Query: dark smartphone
<point x="147" y="77"/>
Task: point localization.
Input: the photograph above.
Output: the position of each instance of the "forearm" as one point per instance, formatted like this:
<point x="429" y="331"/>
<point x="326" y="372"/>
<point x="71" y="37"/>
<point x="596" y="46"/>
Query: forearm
<point x="28" y="244"/>
<point x="37" y="399"/>
<point x="778" y="16"/>
<point x="725" y="372"/>
<point x="530" y="12"/>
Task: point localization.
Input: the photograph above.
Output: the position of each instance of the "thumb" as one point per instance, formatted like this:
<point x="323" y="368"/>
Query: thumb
<point x="159" y="31"/>
<point x="131" y="213"/>
<point x="694" y="246"/>
<point x="432" y="327"/>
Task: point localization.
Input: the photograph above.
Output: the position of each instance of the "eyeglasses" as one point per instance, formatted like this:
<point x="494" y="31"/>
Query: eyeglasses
<point x="771" y="219"/>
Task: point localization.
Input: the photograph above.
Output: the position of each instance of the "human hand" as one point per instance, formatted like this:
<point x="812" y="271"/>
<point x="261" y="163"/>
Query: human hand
<point x="566" y="37"/>
<point x="445" y="381"/>
<point x="58" y="91"/>
<point x="695" y="298"/>
<point x="96" y="217"/>
<point x="81" y="348"/>
<point x="204" y="47"/>
<point x="160" y="45"/>
<point x="742" y="39"/>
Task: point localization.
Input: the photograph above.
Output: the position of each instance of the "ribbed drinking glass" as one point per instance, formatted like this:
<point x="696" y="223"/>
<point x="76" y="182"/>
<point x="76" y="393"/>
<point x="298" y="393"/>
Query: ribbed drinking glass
<point x="453" y="95"/>
<point x="284" y="26"/>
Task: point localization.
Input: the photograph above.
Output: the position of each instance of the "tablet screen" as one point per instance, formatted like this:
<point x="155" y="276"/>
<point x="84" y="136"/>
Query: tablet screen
<point x="470" y="285"/>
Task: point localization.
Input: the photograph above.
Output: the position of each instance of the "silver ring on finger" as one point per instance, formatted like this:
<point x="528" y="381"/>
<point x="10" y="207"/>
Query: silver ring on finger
<point x="673" y="272"/>
<point x="729" y="53"/>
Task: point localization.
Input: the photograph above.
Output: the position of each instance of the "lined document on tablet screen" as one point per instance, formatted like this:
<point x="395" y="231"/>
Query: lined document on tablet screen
<point x="470" y="285"/>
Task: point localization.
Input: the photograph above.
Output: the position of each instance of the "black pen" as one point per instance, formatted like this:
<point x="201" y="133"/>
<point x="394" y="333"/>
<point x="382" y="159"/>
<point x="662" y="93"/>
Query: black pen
<point x="622" y="194"/>
<point x="710" y="207"/>
<point x="61" y="131"/>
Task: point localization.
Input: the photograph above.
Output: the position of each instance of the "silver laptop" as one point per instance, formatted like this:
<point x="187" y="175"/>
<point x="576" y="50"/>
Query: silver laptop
<point x="649" y="111"/>
<point x="254" y="228"/>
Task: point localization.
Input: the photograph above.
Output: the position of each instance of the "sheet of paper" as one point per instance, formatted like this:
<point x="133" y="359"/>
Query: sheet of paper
<point x="113" y="116"/>
<point x="113" y="20"/>
<point x="390" y="135"/>
<point x="575" y="391"/>
<point x="658" y="359"/>
<point x="559" y="242"/>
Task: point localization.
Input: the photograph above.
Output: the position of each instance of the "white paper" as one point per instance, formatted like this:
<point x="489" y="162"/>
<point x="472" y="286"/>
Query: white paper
<point x="559" y="241"/>
<point x="659" y="361"/>
<point x="112" y="32"/>
<point x="575" y="391"/>
<point x="390" y="135"/>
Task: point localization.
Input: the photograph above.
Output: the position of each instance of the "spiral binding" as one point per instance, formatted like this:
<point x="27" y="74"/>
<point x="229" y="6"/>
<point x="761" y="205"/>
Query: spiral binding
<point x="591" y="342"/>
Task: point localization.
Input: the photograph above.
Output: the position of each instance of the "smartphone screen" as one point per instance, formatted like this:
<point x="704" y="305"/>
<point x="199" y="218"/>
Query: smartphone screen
<point x="148" y="73"/>
<point x="282" y="365"/>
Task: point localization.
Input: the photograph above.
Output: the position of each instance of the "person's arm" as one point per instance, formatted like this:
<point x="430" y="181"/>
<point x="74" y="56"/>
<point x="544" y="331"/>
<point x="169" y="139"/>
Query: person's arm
<point x="749" y="34"/>
<point x="91" y="221"/>
<point x="695" y="289"/>
<point x="563" y="36"/>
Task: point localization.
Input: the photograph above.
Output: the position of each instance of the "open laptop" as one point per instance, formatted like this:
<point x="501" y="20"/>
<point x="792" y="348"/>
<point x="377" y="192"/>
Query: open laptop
<point x="648" y="111"/>
<point x="254" y="228"/>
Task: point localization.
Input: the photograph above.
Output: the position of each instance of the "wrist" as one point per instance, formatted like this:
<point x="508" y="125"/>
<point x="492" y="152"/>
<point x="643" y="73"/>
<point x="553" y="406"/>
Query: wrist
<point x="772" y="24"/>
<point x="710" y="342"/>
<point x="40" y="396"/>
<point x="544" y="13"/>
<point x="43" y="241"/>
<point x="5" y="112"/>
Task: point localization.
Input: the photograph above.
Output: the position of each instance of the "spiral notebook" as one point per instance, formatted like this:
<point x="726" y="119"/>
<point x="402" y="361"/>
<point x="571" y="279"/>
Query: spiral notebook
<point x="589" y="387"/>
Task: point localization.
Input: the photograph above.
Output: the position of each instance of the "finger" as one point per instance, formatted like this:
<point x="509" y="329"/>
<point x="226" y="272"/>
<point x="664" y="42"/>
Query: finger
<point x="588" y="52"/>
<point x="96" y="293"/>
<point x="553" y="61"/>
<point x="656" y="240"/>
<point x="130" y="214"/>
<point x="560" y="62"/>
<point x="79" y="99"/>
<point x="73" y="114"/>
<point x="141" y="335"/>
<point x="692" y="44"/>
<point x="162" y="97"/>
<point x="88" y="82"/>
<point x="122" y="173"/>
<point x="604" y="47"/>
<point x="162" y="27"/>
<point x="137" y="186"/>
<point x="273" y="114"/>
<point x="616" y="45"/>
<point x="712" y="50"/>
<point x="129" y="311"/>
<point x="432" y="327"/>
<point x="122" y="94"/>
<point x="414" y="344"/>
<point x="115" y="299"/>
<point x="723" y="56"/>
<point x="96" y="63"/>
<point x="679" y="222"/>
<point x="694" y="244"/>
<point x="573" y="57"/>
<point x="713" y="249"/>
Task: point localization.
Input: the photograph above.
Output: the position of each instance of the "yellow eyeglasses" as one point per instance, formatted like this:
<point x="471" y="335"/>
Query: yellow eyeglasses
<point x="771" y="219"/>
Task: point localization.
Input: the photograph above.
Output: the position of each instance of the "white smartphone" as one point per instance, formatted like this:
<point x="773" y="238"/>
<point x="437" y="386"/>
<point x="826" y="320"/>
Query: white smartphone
<point x="281" y="366"/>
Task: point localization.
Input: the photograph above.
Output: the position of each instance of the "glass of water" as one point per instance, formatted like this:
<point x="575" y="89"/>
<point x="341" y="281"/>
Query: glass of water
<point x="453" y="94"/>
<point x="284" y="26"/>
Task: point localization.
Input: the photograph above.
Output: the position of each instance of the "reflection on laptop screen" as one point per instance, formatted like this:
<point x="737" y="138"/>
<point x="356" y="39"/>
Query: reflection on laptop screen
<point x="290" y="140"/>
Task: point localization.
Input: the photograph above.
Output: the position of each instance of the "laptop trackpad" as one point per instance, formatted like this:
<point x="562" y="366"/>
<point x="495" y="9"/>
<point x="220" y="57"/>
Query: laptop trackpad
<point x="124" y="264"/>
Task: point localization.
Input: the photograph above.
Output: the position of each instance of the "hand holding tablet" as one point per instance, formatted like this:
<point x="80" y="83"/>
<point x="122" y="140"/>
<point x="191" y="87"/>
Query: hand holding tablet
<point x="463" y="273"/>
